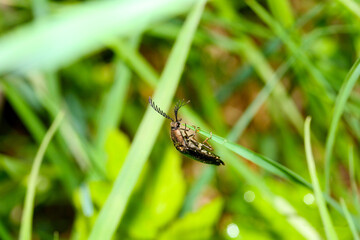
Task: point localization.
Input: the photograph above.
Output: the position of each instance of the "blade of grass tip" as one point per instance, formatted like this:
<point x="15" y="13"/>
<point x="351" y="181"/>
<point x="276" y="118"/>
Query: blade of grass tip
<point x="325" y="216"/>
<point x="255" y="158"/>
<point x="114" y="207"/>
<point x="240" y="167"/>
<point x="48" y="92"/>
<point x="354" y="187"/>
<point x="113" y="103"/>
<point x="72" y="138"/>
<point x="37" y="130"/>
<point x="346" y="88"/>
<point x="349" y="219"/>
<point x="262" y="161"/>
<point x="26" y="220"/>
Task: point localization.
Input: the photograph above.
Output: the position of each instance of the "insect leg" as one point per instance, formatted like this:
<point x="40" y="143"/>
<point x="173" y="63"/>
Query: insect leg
<point x="185" y="129"/>
<point x="206" y="144"/>
<point x="188" y="129"/>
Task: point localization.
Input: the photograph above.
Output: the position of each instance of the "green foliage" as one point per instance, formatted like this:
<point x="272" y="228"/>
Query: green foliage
<point x="117" y="147"/>
<point x="197" y="225"/>
<point x="157" y="208"/>
<point x="253" y="71"/>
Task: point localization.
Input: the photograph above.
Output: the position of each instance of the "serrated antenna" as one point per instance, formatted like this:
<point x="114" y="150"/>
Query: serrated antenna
<point x="156" y="108"/>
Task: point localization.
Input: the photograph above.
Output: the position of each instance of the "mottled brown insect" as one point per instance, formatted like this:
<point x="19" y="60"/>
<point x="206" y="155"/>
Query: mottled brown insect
<point x="187" y="144"/>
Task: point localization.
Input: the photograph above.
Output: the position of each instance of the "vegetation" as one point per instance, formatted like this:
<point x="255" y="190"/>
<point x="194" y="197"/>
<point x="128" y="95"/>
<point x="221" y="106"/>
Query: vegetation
<point x="84" y="156"/>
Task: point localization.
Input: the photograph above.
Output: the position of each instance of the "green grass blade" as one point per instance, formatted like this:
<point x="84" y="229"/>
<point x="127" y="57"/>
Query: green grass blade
<point x="114" y="101"/>
<point x="37" y="129"/>
<point x="26" y="220"/>
<point x="294" y="48"/>
<point x="258" y="159"/>
<point x="262" y="161"/>
<point x="255" y="57"/>
<point x="70" y="34"/>
<point x="253" y="179"/>
<point x="114" y="207"/>
<point x="325" y="216"/>
<point x="349" y="219"/>
<point x="340" y="103"/>
<point x="265" y="70"/>
<point x="138" y="63"/>
<point x="48" y="93"/>
<point x="255" y="105"/>
<point x="281" y="9"/>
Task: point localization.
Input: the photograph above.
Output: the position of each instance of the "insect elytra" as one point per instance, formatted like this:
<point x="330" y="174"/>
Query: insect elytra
<point x="187" y="144"/>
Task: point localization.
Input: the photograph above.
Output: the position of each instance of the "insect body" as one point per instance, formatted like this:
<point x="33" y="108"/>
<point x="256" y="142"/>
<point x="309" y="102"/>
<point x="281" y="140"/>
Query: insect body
<point x="187" y="144"/>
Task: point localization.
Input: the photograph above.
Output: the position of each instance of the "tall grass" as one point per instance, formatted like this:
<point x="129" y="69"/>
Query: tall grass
<point x="114" y="207"/>
<point x="26" y="222"/>
<point x="252" y="71"/>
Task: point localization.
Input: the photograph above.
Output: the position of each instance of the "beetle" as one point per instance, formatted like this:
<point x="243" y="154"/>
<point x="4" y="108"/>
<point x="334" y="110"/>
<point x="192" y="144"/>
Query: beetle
<point x="187" y="144"/>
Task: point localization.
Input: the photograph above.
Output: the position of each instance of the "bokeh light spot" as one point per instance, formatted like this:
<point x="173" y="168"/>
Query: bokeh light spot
<point x="249" y="196"/>
<point x="232" y="230"/>
<point x="309" y="199"/>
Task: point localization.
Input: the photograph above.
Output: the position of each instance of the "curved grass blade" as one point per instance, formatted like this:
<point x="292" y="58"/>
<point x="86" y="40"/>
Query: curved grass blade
<point x="70" y="176"/>
<point x="262" y="161"/>
<point x="325" y="216"/>
<point x="114" y="207"/>
<point x="253" y="179"/>
<point x="26" y="220"/>
<point x="70" y="34"/>
<point x="259" y="160"/>
<point x="340" y="103"/>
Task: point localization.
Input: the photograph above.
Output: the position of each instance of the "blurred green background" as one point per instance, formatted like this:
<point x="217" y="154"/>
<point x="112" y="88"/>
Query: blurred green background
<point x="253" y="71"/>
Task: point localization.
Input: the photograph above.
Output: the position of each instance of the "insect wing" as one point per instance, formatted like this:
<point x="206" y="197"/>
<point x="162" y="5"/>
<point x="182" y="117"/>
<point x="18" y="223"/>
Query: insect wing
<point x="203" y="156"/>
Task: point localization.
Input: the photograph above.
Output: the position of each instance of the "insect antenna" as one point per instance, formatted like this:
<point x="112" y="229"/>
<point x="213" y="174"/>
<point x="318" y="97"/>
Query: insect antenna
<point x="156" y="108"/>
<point x="178" y="105"/>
